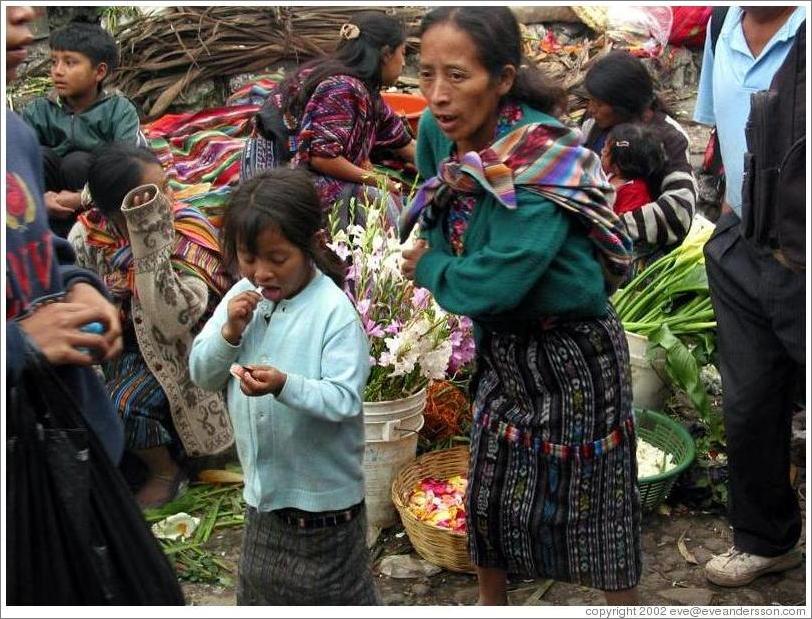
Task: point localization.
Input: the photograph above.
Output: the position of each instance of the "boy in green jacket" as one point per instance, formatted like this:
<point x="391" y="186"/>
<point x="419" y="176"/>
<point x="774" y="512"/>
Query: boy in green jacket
<point x="78" y="117"/>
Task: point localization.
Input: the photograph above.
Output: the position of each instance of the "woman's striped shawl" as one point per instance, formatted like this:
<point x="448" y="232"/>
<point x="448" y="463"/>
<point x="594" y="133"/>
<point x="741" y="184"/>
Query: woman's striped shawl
<point x="548" y="160"/>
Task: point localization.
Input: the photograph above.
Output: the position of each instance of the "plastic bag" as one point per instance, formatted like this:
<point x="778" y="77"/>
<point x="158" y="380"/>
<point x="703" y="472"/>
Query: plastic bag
<point x="643" y="31"/>
<point x="75" y="534"/>
<point x="689" y="25"/>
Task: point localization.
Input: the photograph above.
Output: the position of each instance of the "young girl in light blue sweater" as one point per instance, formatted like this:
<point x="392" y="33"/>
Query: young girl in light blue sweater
<point x="289" y="346"/>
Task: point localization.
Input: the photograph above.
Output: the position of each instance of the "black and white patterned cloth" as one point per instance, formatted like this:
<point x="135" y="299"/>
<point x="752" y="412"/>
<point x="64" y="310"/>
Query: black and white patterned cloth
<point x="553" y="474"/>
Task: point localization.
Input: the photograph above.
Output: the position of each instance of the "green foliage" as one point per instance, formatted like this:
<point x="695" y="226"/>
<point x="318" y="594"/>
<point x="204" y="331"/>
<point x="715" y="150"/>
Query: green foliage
<point x="217" y="507"/>
<point x="114" y="18"/>
<point x="669" y="302"/>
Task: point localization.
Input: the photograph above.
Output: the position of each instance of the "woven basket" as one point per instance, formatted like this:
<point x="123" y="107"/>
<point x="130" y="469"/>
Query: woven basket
<point x="439" y="546"/>
<point x="666" y="434"/>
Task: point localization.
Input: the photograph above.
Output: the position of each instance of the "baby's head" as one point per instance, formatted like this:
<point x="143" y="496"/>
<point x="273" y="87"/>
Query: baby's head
<point x="118" y="168"/>
<point x="633" y="151"/>
<point x="273" y="232"/>
<point x="83" y="55"/>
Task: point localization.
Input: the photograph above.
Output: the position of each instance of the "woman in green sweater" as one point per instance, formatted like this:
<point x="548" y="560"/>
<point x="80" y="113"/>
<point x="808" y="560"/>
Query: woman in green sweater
<point x="517" y="232"/>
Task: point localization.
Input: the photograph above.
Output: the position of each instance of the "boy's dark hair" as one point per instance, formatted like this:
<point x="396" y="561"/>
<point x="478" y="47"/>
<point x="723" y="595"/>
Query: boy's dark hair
<point x="359" y="57"/>
<point x="88" y="39"/>
<point x="638" y="153"/>
<point x="622" y="81"/>
<point x="115" y="170"/>
<point x="497" y="37"/>
<point x="284" y="199"/>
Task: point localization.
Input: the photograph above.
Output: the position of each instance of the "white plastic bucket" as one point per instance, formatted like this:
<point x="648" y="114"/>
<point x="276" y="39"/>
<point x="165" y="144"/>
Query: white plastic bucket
<point x="391" y="443"/>
<point x="394" y="419"/>
<point x="648" y="389"/>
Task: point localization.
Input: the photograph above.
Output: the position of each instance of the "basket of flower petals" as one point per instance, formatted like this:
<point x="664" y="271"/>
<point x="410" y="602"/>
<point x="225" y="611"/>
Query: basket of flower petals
<point x="429" y="496"/>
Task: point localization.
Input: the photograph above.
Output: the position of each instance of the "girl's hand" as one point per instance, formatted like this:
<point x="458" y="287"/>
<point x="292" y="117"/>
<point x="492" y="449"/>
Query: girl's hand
<point x="260" y="380"/>
<point x="411" y="257"/>
<point x="240" y="312"/>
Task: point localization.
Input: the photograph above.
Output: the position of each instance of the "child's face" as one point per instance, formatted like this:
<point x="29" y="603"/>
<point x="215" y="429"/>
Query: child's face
<point x="606" y="158"/>
<point x="74" y="74"/>
<point x="153" y="174"/>
<point x="279" y="267"/>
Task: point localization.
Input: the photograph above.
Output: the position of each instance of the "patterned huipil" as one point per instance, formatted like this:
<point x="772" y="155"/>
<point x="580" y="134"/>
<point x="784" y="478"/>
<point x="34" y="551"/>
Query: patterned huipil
<point x="462" y="206"/>
<point x="341" y="118"/>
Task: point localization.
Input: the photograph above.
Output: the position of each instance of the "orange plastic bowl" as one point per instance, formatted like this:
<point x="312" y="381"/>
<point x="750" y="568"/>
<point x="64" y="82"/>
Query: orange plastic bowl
<point x="410" y="106"/>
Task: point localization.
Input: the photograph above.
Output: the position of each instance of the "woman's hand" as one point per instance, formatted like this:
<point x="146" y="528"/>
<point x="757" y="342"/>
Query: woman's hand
<point x="407" y="152"/>
<point x="258" y="380"/>
<point x="86" y="294"/>
<point x="55" y="329"/>
<point x="55" y="207"/>
<point x="411" y="257"/>
<point x="240" y="312"/>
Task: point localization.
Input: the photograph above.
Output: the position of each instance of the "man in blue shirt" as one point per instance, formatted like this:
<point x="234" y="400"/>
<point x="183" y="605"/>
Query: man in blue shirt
<point x="760" y="310"/>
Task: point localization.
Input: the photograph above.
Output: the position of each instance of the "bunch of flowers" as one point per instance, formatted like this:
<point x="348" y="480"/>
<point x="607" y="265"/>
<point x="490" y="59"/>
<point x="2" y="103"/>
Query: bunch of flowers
<point x="440" y="503"/>
<point x="411" y="339"/>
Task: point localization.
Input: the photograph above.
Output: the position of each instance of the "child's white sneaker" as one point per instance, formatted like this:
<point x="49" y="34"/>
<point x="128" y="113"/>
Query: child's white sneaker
<point x="735" y="568"/>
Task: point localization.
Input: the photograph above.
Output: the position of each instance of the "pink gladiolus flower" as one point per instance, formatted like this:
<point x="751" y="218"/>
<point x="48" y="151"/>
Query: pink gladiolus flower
<point x="420" y="298"/>
<point x="372" y="328"/>
<point x="393" y="328"/>
<point x="363" y="306"/>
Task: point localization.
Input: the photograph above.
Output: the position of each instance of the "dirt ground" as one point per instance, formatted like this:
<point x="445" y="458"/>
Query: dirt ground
<point x="670" y="577"/>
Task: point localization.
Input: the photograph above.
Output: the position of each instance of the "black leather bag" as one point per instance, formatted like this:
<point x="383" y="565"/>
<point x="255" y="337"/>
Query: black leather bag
<point x="775" y="168"/>
<point x="74" y="534"/>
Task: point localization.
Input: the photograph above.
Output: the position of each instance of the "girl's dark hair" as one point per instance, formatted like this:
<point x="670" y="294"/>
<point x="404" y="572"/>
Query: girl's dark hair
<point x="115" y="170"/>
<point x="622" y="81"/>
<point x="496" y="35"/>
<point x="284" y="199"/>
<point x="90" y="40"/>
<point x="638" y="153"/>
<point x="359" y="57"/>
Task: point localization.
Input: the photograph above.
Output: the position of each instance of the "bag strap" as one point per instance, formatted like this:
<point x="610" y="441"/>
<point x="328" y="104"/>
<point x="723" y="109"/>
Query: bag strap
<point x="717" y="20"/>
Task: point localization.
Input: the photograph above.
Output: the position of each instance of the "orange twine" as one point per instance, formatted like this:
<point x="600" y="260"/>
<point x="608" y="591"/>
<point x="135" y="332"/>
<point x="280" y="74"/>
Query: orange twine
<point x="446" y="405"/>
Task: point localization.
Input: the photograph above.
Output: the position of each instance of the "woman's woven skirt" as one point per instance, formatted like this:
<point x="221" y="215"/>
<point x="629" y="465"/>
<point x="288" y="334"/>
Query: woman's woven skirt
<point x="553" y="474"/>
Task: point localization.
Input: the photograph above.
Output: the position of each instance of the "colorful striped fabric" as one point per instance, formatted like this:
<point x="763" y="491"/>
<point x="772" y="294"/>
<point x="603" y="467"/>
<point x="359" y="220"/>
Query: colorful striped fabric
<point x="201" y="151"/>
<point x="196" y="250"/>
<point x="548" y="160"/>
<point x="138" y="397"/>
<point x="202" y="147"/>
<point x="583" y="451"/>
<point x="256" y="91"/>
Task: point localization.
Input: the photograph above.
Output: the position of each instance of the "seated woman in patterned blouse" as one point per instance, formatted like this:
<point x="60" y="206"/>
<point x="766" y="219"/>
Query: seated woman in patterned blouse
<point x="329" y="114"/>
<point x="161" y="263"/>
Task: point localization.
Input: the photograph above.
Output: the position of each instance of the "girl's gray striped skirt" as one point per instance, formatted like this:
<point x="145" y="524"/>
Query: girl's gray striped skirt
<point x="553" y="473"/>
<point x="282" y="564"/>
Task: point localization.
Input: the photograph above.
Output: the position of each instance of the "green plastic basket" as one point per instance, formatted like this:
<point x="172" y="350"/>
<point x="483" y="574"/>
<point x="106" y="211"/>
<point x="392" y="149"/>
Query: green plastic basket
<point x="664" y="433"/>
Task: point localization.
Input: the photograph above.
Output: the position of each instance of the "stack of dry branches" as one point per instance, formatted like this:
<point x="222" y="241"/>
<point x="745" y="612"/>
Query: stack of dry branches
<point x="163" y="53"/>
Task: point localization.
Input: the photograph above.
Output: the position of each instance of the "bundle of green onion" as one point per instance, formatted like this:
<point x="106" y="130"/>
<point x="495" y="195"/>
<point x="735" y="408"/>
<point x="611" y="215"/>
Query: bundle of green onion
<point x="671" y="291"/>
<point x="669" y="303"/>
